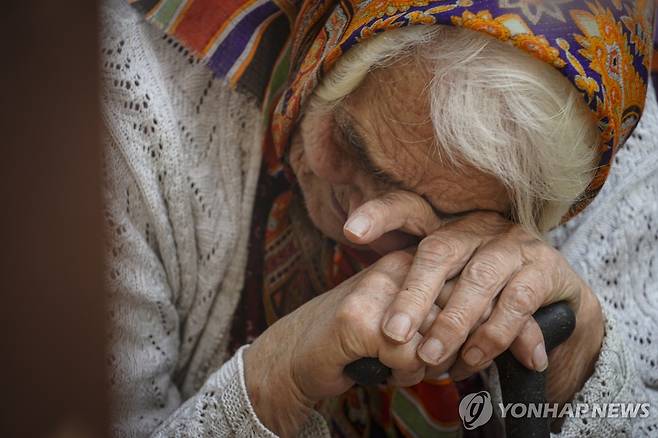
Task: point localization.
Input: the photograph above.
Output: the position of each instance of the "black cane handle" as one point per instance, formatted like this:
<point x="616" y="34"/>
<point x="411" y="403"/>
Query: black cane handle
<point x="368" y="371"/>
<point x="518" y="384"/>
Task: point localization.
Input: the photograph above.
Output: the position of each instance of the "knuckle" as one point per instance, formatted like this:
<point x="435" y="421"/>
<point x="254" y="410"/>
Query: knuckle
<point x="427" y="261"/>
<point x="349" y="311"/>
<point x="420" y="204"/>
<point x="391" y="199"/>
<point x="524" y="293"/>
<point x="530" y="333"/>
<point x="496" y="338"/>
<point x="396" y="260"/>
<point x="546" y="252"/>
<point x="546" y="257"/>
<point x="354" y="314"/>
<point x="416" y="296"/>
<point x="423" y="212"/>
<point x="520" y="302"/>
<point x="454" y="323"/>
<point x="376" y="207"/>
<point x="487" y="313"/>
<point x="483" y="272"/>
<point x="439" y="246"/>
<point x="377" y="280"/>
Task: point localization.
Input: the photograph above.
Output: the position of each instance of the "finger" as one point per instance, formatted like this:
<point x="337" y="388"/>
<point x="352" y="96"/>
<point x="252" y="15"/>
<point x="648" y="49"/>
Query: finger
<point x="396" y="265"/>
<point x="512" y="313"/>
<point x="441" y="300"/>
<point x="404" y="379"/>
<point x="445" y="293"/>
<point x="358" y="315"/>
<point x="562" y="283"/>
<point x="461" y="371"/>
<point x="402" y="357"/>
<point x="429" y="319"/>
<point x="393" y="241"/>
<point x="439" y="257"/>
<point x="481" y="280"/>
<point x="359" y="318"/>
<point x="434" y="372"/>
<point x="529" y="348"/>
<point x="398" y="210"/>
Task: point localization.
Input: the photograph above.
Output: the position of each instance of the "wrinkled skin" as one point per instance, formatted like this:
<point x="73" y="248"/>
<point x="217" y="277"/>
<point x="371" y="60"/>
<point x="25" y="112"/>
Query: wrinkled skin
<point x="464" y="291"/>
<point x="391" y="117"/>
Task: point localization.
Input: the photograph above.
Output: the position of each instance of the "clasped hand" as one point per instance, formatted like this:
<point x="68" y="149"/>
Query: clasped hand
<point x="462" y="297"/>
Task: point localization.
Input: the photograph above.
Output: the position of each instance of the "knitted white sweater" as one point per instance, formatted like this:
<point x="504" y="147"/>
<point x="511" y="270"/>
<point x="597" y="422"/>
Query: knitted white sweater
<point x="181" y="165"/>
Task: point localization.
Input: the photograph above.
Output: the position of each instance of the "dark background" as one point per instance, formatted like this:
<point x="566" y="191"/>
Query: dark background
<point x="51" y="308"/>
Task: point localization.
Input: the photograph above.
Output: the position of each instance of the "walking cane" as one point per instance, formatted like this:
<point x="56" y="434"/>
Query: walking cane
<point x="518" y="384"/>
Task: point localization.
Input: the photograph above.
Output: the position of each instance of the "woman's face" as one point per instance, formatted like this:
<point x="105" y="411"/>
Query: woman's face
<point x="381" y="139"/>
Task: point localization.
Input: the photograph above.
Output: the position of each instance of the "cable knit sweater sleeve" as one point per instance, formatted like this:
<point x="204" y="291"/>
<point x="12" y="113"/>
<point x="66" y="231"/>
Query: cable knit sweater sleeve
<point x="182" y="156"/>
<point x="145" y="338"/>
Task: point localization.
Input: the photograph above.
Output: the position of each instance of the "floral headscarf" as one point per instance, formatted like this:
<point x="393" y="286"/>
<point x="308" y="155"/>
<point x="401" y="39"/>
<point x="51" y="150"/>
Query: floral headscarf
<point x="279" y="51"/>
<point x="603" y="47"/>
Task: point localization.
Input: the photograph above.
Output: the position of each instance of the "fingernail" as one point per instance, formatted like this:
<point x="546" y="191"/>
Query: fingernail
<point x="473" y="356"/>
<point x="397" y="327"/>
<point x="539" y="358"/>
<point x="431" y="351"/>
<point x="358" y="225"/>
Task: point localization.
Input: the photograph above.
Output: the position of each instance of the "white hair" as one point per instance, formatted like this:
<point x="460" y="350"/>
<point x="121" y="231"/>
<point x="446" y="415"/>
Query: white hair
<point x="493" y="107"/>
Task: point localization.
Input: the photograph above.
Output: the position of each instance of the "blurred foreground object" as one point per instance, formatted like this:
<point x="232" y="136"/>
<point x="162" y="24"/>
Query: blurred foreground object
<point x="51" y="318"/>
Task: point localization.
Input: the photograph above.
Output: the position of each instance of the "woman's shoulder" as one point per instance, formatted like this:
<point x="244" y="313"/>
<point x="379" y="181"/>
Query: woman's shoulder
<point x="134" y="106"/>
<point x="116" y="16"/>
<point x="184" y="145"/>
<point x="164" y="108"/>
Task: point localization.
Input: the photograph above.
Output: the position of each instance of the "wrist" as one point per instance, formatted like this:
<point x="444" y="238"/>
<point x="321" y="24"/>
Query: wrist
<point x="277" y="402"/>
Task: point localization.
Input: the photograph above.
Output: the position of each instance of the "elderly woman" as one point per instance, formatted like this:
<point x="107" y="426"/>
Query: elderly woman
<point x="386" y="180"/>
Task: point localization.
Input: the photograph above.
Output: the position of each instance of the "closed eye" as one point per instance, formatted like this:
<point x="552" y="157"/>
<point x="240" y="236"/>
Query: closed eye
<point x="347" y="135"/>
